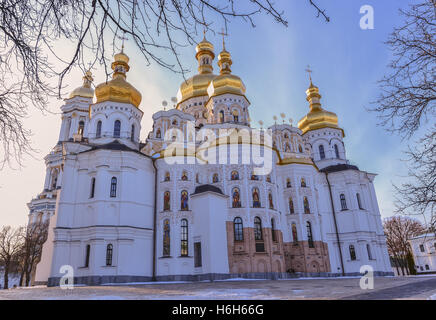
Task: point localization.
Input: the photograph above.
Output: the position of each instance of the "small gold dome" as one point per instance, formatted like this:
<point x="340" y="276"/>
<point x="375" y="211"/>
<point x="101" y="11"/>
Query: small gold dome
<point x="196" y="86"/>
<point x="204" y="45"/>
<point x="118" y="89"/>
<point x="85" y="90"/>
<point x="226" y="82"/>
<point x="317" y="117"/>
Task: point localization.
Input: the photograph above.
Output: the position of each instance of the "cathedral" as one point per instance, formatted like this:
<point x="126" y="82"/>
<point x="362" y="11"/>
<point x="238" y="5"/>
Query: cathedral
<point x="122" y="210"/>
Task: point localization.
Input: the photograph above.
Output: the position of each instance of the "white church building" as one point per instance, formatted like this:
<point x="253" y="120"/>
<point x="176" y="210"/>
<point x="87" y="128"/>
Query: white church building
<point x="122" y="210"/>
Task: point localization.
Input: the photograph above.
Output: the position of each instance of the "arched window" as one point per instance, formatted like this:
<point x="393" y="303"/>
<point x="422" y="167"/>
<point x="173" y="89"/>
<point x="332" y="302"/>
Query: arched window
<point x="234" y="175"/>
<point x="343" y="202"/>
<point x="287" y="147"/>
<point x="91" y="195"/>
<point x="254" y="177"/>
<point x="184" y="176"/>
<point x="221" y="115"/>
<point x="368" y="249"/>
<point x="109" y="253"/>
<point x="117" y="128"/>
<point x="166" y="238"/>
<point x="98" y="132"/>
<point x="236" y="198"/>
<point x="288" y="183"/>
<point x="54" y="178"/>
<point x="238" y="229"/>
<point x="235" y="116"/>
<point x="294" y="234"/>
<point x="215" y="178"/>
<point x="167" y="201"/>
<point x="359" y="203"/>
<point x="309" y="234"/>
<point x="174" y="123"/>
<point x="306" y="205"/>
<point x="132" y="133"/>
<point x="167" y="176"/>
<point x="81" y="127"/>
<point x="87" y="254"/>
<point x="273" y="230"/>
<point x="268" y="178"/>
<point x="291" y="206"/>
<point x="303" y="182"/>
<point x="158" y="134"/>
<point x="113" y="187"/>
<point x="300" y="149"/>
<point x="321" y="152"/>
<point x="184" y="238"/>
<point x="256" y="198"/>
<point x="184" y="200"/>
<point x="352" y="252"/>
<point x="336" y="151"/>
<point x="257" y="228"/>
<point x="68" y="128"/>
<point x="270" y="200"/>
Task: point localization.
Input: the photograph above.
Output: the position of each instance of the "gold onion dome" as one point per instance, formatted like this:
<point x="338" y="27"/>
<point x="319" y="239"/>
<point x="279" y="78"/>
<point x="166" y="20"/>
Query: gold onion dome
<point x="317" y="117"/>
<point x="226" y="82"/>
<point x="85" y="90"/>
<point x="118" y="89"/>
<point x="196" y="86"/>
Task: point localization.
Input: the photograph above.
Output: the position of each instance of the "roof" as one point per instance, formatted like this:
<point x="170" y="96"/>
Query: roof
<point x="114" y="145"/>
<point x="339" y="167"/>
<point x="207" y="187"/>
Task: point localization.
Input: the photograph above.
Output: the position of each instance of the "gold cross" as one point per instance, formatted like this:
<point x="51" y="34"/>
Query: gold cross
<point x="122" y="38"/>
<point x="223" y="34"/>
<point x="309" y="71"/>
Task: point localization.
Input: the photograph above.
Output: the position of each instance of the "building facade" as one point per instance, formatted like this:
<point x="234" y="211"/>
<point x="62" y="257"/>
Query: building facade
<point x="424" y="252"/>
<point x="122" y="210"/>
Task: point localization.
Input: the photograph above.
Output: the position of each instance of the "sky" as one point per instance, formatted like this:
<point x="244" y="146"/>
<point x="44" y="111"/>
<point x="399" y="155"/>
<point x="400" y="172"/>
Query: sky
<point x="271" y="59"/>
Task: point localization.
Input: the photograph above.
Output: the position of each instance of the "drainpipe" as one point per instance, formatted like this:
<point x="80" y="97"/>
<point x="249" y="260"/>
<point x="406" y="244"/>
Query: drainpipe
<point x="154" y="219"/>
<point x="336" y="224"/>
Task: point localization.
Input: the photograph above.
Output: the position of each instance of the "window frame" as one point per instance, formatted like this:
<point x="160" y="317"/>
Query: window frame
<point x="238" y="229"/>
<point x="258" y="235"/>
<point x="343" y="201"/>
<point x="113" y="189"/>
<point x="117" y="129"/>
<point x="321" y="152"/>
<point x="184" y="238"/>
<point x="109" y="254"/>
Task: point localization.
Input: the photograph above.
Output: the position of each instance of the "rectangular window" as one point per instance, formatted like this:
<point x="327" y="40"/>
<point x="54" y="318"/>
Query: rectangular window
<point x="88" y="251"/>
<point x="421" y="247"/>
<point x="92" y="188"/>
<point x="260" y="247"/>
<point x="197" y="254"/>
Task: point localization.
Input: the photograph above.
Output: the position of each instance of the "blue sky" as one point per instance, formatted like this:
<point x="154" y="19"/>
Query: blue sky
<point x="271" y="59"/>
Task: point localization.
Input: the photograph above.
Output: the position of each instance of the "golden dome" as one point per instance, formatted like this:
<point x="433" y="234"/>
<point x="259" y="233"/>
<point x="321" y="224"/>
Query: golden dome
<point x="118" y="89"/>
<point x="226" y="82"/>
<point x="85" y="90"/>
<point x="317" y="117"/>
<point x="197" y="85"/>
<point x="203" y="46"/>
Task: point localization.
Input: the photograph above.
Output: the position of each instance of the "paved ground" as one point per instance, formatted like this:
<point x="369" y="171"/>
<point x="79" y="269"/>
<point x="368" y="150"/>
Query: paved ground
<point x="419" y="287"/>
